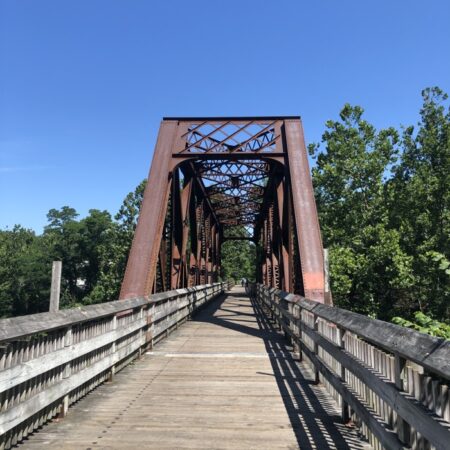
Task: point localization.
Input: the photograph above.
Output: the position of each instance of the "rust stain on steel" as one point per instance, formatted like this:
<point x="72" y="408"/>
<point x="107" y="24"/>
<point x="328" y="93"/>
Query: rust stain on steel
<point x="218" y="179"/>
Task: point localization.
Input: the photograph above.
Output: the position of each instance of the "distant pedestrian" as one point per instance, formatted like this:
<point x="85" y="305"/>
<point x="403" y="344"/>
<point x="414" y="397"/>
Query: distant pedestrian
<point x="243" y="282"/>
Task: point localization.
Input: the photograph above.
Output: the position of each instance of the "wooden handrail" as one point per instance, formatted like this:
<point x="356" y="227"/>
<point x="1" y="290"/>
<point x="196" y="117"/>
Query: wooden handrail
<point x="428" y="351"/>
<point x="49" y="360"/>
<point x="22" y="326"/>
<point x="395" y="380"/>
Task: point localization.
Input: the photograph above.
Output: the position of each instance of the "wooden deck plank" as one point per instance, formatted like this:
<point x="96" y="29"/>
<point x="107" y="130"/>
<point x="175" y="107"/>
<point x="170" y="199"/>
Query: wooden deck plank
<point x="223" y="380"/>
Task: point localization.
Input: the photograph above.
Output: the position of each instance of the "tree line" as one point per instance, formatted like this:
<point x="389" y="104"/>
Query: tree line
<point x="94" y="251"/>
<point x="383" y="201"/>
<point x="384" y="208"/>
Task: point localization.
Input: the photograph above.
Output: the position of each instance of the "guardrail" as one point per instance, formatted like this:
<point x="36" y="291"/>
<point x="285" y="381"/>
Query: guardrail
<point x="392" y="382"/>
<point x="50" y="360"/>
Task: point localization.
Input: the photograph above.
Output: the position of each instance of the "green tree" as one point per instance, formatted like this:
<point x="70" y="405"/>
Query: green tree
<point x="93" y="251"/>
<point x="238" y="257"/>
<point x="78" y="244"/>
<point x="420" y="202"/>
<point x="25" y="269"/>
<point x="57" y="219"/>
<point x="95" y="232"/>
<point x="370" y="273"/>
<point x="425" y="324"/>
<point x="115" y="247"/>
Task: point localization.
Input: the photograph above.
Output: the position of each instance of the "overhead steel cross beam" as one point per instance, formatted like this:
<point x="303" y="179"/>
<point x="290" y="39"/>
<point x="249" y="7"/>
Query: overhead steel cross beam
<point x="212" y="178"/>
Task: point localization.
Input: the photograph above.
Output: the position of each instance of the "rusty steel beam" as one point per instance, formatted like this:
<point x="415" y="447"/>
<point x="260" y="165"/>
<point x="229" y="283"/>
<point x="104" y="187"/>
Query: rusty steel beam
<point x="142" y="260"/>
<point x="305" y="212"/>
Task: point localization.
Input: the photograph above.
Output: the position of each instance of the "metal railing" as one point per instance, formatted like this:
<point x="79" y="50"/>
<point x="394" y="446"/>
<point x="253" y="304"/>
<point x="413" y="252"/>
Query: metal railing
<point x="50" y="360"/>
<point x="392" y="382"/>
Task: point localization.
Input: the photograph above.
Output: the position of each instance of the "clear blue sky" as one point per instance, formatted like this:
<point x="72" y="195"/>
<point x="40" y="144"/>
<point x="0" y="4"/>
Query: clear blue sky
<point x="84" y="83"/>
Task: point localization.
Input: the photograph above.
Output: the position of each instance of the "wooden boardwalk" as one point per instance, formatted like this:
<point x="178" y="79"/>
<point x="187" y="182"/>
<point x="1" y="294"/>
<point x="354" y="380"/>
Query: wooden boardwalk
<point x="224" y="380"/>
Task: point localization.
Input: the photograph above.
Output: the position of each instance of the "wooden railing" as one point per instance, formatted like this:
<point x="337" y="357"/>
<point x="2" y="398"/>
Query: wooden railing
<point x="50" y="360"/>
<point x="392" y="382"/>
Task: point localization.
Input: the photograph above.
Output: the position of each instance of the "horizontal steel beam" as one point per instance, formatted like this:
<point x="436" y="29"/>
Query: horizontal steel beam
<point x="239" y="238"/>
<point x="234" y="119"/>
<point x="228" y="156"/>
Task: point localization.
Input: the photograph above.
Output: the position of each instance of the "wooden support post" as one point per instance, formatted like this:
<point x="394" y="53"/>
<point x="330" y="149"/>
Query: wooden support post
<point x="113" y="350"/>
<point x="326" y="273"/>
<point x="316" y="350"/>
<point x="298" y="333"/>
<point x="141" y="333"/>
<point x="401" y="427"/>
<point x="55" y="289"/>
<point x="64" y="408"/>
<point x="345" y="412"/>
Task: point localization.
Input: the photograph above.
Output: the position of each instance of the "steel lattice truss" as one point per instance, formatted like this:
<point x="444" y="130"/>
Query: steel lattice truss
<point x="218" y="179"/>
<point x="235" y="189"/>
<point x="230" y="137"/>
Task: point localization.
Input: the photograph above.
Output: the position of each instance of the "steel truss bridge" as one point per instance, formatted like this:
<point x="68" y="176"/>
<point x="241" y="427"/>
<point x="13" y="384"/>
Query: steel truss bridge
<point x="219" y="179"/>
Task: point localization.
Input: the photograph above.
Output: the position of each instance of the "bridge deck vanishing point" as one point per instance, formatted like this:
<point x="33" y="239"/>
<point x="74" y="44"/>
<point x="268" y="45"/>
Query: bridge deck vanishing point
<point x="226" y="379"/>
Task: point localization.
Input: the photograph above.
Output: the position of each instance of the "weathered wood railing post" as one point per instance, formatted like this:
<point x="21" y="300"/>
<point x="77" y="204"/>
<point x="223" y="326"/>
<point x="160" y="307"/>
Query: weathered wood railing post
<point x="68" y="338"/>
<point x="296" y="329"/>
<point x="300" y="332"/>
<point x="316" y="350"/>
<point x="345" y="413"/>
<point x="401" y="427"/>
<point x="112" y="371"/>
<point x="141" y="331"/>
<point x="326" y="270"/>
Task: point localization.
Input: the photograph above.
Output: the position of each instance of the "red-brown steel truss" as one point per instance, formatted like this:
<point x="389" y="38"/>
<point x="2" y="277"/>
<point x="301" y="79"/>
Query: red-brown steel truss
<point x="218" y="179"/>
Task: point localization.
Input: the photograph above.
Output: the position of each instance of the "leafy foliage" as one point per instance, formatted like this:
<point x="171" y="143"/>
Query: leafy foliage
<point x="24" y="272"/>
<point x="238" y="258"/>
<point x="370" y="271"/>
<point x="425" y="324"/>
<point x="419" y="195"/>
<point x="94" y="252"/>
<point x="115" y="248"/>
<point x="384" y="207"/>
<point x="78" y="244"/>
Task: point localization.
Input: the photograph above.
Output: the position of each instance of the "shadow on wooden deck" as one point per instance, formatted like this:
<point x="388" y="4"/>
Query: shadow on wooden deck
<point x="313" y="413"/>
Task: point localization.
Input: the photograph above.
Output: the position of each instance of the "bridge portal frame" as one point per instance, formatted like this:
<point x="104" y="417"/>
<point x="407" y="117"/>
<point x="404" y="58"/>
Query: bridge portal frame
<point x="184" y="221"/>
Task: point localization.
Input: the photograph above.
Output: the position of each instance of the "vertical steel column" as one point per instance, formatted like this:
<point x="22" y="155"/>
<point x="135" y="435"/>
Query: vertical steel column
<point x="176" y="232"/>
<point x="307" y="224"/>
<point x="283" y="212"/>
<point x="186" y="202"/>
<point x="143" y="257"/>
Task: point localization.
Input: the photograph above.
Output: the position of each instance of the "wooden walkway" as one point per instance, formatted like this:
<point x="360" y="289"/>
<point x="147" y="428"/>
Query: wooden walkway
<point x="224" y="380"/>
